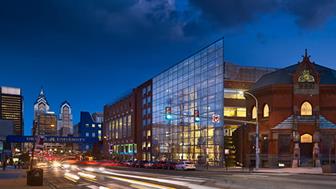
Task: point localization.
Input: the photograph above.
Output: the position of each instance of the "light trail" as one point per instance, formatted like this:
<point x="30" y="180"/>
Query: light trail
<point x="72" y="177"/>
<point x="146" y="184"/>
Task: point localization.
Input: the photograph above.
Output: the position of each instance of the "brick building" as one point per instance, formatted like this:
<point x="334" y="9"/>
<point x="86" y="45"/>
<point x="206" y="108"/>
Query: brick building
<point x="297" y="108"/>
<point x="119" y="128"/>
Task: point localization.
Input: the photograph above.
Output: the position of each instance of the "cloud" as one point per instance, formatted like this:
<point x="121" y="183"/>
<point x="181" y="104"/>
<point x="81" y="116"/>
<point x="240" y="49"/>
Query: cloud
<point x="311" y="13"/>
<point x="230" y="13"/>
<point x="233" y="13"/>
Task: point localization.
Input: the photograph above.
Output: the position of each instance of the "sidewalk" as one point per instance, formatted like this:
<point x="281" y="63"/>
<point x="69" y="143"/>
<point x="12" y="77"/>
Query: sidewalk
<point x="300" y="170"/>
<point x="16" y="179"/>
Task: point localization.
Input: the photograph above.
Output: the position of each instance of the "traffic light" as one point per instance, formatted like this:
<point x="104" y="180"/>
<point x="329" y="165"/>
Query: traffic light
<point x="168" y="113"/>
<point x="197" y="116"/>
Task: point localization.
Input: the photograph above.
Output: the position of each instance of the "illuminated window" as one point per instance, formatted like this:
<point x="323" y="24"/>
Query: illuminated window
<point x="241" y="112"/>
<point x="149" y="145"/>
<point x="229" y="111"/>
<point x="306" y="138"/>
<point x="93" y="125"/>
<point x="148" y="133"/>
<point x="233" y="94"/>
<point x="266" y="110"/>
<point x="234" y="112"/>
<point x="306" y="109"/>
<point x="254" y="112"/>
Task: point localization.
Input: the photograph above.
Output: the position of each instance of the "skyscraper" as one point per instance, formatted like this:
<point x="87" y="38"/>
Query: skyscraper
<point x="11" y="103"/>
<point x="65" y="119"/>
<point x="45" y="121"/>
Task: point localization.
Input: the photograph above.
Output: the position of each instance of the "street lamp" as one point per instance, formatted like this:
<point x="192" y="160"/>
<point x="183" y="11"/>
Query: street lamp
<point x="257" y="129"/>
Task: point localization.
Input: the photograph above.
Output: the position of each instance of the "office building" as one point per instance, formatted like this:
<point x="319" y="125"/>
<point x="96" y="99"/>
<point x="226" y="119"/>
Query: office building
<point x="87" y="127"/>
<point x="11" y="107"/>
<point x="65" y="124"/>
<point x="120" y="129"/>
<point x="45" y="121"/>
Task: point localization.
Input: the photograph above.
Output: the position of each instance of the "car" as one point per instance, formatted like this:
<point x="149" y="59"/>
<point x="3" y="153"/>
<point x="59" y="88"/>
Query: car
<point x="159" y="164"/>
<point x="140" y="163"/>
<point x="128" y="163"/>
<point x="169" y="165"/>
<point x="185" y="165"/>
<point x="149" y="164"/>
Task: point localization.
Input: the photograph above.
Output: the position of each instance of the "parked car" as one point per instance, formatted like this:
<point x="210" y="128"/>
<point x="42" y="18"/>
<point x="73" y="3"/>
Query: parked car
<point x="140" y="163"/>
<point x="127" y="163"/>
<point x="185" y="165"/>
<point x="149" y="164"/>
<point x="159" y="164"/>
<point x="169" y="165"/>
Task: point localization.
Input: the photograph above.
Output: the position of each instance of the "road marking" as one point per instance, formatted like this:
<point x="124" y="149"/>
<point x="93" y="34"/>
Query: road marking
<point x="140" y="183"/>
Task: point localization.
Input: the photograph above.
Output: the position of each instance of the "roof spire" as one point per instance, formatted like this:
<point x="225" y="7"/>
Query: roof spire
<point x="41" y="91"/>
<point x="306" y="53"/>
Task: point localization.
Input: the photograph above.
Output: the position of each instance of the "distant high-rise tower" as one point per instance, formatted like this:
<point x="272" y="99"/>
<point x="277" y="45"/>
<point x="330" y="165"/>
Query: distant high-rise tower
<point x="65" y="119"/>
<point x="11" y="107"/>
<point x="45" y="121"/>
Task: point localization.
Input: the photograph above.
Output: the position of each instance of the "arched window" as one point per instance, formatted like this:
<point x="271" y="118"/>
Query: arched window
<point x="306" y="109"/>
<point x="306" y="138"/>
<point x="266" y="110"/>
<point x="254" y="112"/>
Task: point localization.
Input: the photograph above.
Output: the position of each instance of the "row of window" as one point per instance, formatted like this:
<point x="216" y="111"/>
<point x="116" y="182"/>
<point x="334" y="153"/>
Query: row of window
<point x="121" y="127"/>
<point x="93" y="125"/>
<point x="305" y="110"/>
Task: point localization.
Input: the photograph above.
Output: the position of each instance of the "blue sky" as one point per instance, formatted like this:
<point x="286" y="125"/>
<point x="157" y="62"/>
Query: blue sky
<point x="91" y="52"/>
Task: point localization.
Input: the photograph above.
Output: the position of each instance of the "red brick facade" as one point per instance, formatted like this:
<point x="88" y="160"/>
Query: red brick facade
<point x="301" y="127"/>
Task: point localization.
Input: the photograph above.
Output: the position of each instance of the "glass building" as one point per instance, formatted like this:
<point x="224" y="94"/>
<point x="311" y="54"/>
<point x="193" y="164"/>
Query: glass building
<point x="193" y="87"/>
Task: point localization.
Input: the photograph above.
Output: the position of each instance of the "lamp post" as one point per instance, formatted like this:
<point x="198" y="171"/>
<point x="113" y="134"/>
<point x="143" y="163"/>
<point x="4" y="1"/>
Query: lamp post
<point x="257" y="130"/>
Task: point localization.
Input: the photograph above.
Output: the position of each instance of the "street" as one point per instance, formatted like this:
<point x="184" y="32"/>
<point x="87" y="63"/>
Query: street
<point x="101" y="178"/>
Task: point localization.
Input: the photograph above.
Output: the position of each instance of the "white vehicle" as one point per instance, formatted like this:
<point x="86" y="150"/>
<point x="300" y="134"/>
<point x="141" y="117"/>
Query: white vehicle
<point x="185" y="165"/>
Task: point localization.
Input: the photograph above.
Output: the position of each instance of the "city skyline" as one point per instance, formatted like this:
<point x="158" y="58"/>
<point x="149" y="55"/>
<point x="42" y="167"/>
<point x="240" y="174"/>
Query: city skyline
<point x="81" y="56"/>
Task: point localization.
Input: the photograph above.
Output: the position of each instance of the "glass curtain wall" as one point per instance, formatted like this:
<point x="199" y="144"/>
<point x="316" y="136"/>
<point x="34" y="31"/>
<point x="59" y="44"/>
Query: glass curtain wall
<point x="194" y="85"/>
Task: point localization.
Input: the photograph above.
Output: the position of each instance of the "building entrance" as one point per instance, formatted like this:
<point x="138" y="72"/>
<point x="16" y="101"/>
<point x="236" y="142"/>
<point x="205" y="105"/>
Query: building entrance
<point x="306" y="150"/>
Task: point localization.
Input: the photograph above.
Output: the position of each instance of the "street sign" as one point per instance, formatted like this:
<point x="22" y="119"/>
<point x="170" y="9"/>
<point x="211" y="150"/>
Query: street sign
<point x="51" y="139"/>
<point x="215" y="118"/>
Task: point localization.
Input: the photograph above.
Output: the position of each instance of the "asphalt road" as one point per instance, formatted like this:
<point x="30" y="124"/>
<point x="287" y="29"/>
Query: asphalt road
<point x="95" y="178"/>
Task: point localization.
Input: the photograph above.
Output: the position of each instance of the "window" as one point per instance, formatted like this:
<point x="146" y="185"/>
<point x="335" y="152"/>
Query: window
<point x="306" y="138"/>
<point x="99" y="125"/>
<point x="149" y="145"/>
<point x="148" y="133"/>
<point x="241" y="112"/>
<point x="306" y="109"/>
<point x="93" y="134"/>
<point x="93" y="125"/>
<point x="233" y="94"/>
<point x="284" y="143"/>
<point x="254" y="112"/>
<point x="234" y="112"/>
<point x="266" y="110"/>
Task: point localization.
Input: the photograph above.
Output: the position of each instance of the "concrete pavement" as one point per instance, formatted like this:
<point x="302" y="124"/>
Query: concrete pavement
<point x="16" y="179"/>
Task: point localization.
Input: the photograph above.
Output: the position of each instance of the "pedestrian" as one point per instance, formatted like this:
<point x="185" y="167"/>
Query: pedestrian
<point x="19" y="164"/>
<point x="4" y="164"/>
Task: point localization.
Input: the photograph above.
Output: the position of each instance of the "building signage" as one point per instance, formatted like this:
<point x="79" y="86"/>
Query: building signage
<point x="51" y="139"/>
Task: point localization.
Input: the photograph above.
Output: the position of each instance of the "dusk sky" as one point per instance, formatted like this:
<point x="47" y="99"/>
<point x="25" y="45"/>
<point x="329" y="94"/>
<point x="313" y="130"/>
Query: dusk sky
<point x="91" y="52"/>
